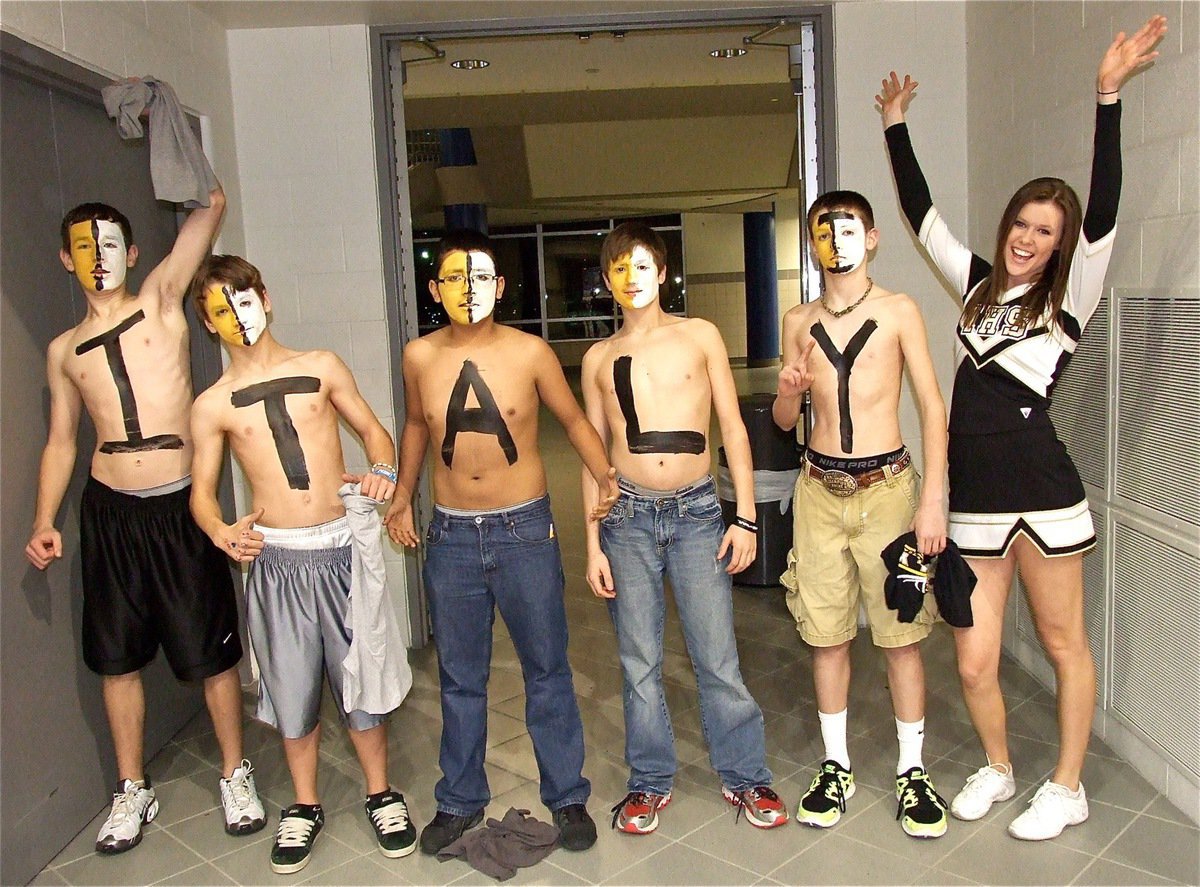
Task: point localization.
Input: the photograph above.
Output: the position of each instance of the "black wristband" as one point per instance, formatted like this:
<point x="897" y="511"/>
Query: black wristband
<point x="745" y="524"/>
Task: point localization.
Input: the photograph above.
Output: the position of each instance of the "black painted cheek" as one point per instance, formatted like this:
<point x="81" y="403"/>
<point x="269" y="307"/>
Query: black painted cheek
<point x="483" y="419"/>
<point x="272" y="394"/>
<point x="134" y="441"/>
<point x="639" y="441"/>
<point x="843" y="362"/>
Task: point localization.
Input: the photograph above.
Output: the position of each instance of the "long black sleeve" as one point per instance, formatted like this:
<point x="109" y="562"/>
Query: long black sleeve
<point x="1105" y="191"/>
<point x="915" y="199"/>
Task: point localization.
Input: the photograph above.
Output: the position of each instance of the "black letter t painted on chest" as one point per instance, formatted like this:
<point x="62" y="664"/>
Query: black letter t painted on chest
<point x="287" y="439"/>
<point x="843" y="362"/>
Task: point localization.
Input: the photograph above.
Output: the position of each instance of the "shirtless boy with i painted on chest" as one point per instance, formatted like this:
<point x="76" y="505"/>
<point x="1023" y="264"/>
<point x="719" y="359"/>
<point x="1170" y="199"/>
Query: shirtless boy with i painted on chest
<point x="857" y="492"/>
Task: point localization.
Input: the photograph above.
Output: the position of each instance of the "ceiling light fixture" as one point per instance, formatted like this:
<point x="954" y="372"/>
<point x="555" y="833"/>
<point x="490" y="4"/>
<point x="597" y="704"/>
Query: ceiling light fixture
<point x="728" y="53"/>
<point x="469" y="64"/>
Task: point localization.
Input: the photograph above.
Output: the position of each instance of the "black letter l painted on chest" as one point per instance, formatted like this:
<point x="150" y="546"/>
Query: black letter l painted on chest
<point x="483" y="419"/>
<point x="134" y="442"/>
<point x="843" y="362"/>
<point x="287" y="440"/>
<point x="640" y="441"/>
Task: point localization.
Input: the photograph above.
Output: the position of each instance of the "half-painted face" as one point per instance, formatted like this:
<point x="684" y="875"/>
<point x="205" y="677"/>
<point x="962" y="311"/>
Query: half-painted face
<point x="1034" y="236"/>
<point x="467" y="286"/>
<point x="238" y="316"/>
<point x="634" y="279"/>
<point x="840" y="240"/>
<point x="99" y="255"/>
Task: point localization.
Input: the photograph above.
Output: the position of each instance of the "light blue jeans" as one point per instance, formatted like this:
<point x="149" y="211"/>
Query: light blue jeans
<point x="650" y="535"/>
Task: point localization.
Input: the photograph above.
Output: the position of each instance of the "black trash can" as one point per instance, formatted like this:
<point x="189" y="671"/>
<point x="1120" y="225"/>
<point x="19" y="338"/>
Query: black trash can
<point x="776" y="457"/>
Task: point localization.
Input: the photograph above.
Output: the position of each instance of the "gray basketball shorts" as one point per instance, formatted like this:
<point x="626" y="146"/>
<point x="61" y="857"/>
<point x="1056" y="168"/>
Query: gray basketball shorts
<point x="297" y="594"/>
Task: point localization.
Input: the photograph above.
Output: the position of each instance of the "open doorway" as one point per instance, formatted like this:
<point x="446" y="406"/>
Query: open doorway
<point x="575" y="125"/>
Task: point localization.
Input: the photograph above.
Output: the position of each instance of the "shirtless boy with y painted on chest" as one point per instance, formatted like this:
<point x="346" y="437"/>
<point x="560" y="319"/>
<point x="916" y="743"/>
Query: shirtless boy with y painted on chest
<point x="306" y="542"/>
<point x="149" y="578"/>
<point x="472" y="394"/>
<point x="650" y="390"/>
<point x="857" y="492"/>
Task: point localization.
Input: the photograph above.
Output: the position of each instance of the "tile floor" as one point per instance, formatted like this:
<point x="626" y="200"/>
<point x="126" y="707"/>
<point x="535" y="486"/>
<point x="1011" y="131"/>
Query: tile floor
<point x="1134" y="835"/>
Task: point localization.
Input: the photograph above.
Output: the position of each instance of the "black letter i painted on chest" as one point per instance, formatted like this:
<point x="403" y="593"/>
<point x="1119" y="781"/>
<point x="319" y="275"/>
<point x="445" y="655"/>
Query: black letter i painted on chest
<point x="134" y="442"/>
<point x="483" y="419"/>
<point x="640" y="441"/>
<point x="287" y="439"/>
<point x="843" y="362"/>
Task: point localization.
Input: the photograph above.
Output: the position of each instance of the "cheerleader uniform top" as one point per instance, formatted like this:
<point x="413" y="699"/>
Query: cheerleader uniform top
<point x="1007" y="370"/>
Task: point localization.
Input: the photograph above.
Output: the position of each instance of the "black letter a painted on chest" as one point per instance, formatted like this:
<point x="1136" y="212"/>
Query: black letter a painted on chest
<point x="648" y="441"/>
<point x="287" y="440"/>
<point x="483" y="419"/>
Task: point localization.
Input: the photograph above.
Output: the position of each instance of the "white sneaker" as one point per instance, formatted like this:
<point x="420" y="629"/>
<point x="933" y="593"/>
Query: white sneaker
<point x="244" y="813"/>
<point x="984" y="787"/>
<point x="133" y="805"/>
<point x="1052" y="809"/>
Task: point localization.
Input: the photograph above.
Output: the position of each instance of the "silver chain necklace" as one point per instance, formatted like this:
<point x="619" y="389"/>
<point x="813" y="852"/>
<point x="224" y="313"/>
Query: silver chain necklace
<point x="842" y="312"/>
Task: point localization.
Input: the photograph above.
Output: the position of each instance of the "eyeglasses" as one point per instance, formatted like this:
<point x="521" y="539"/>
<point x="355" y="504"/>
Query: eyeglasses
<point x="479" y="279"/>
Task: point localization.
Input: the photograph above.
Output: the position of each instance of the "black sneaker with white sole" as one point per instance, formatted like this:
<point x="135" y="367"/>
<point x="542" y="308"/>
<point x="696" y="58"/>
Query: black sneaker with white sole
<point x="299" y="826"/>
<point x="394" y="831"/>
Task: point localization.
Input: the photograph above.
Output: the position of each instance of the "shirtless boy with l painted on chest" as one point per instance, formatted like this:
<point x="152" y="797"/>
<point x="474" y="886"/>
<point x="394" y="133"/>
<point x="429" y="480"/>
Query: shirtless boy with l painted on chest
<point x="857" y="492"/>
<point x="473" y="391"/>
<point x="650" y="390"/>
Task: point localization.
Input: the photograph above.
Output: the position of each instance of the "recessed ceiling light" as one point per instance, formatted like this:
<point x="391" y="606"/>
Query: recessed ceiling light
<point x="470" y="64"/>
<point x="729" y="53"/>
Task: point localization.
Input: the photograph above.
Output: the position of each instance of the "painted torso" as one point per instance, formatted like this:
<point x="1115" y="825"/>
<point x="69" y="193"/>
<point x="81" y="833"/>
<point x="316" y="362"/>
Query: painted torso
<point x="133" y="373"/>
<point x="481" y="405"/>
<point x="866" y="343"/>
<point x="283" y="429"/>
<point x="657" y="405"/>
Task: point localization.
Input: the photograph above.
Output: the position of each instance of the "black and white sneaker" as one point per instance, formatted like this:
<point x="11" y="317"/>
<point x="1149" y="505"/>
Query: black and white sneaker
<point x="299" y="826"/>
<point x="133" y="805"/>
<point x="394" y="831"/>
<point x="244" y="813"/>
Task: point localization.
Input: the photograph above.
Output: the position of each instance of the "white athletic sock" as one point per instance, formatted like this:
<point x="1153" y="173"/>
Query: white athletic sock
<point x="833" y="732"/>
<point x="912" y="738"/>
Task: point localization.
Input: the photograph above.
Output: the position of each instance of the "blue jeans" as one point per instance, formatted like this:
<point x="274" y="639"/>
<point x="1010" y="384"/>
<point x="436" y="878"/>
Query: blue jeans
<point x="649" y="535"/>
<point x="474" y="564"/>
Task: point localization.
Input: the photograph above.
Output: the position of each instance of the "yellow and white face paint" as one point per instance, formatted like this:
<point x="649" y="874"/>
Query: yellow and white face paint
<point x="840" y="240"/>
<point x="99" y="254"/>
<point x="468" y="286"/>
<point x="238" y="316"/>
<point x="634" y="279"/>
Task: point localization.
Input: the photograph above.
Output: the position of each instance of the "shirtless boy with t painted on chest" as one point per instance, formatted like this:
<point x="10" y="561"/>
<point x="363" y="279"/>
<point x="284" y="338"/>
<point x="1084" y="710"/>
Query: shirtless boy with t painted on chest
<point x="472" y="394"/>
<point x="149" y="577"/>
<point x="307" y="542"/>
<point x="649" y="390"/>
<point x="857" y="492"/>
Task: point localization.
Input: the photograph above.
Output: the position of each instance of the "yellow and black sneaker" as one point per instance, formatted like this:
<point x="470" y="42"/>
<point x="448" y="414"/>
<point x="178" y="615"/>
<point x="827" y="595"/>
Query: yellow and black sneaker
<point x="920" y="809"/>
<point x="825" y="801"/>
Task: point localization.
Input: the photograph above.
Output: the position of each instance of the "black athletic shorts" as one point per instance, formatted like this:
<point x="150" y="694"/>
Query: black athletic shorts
<point x="151" y="578"/>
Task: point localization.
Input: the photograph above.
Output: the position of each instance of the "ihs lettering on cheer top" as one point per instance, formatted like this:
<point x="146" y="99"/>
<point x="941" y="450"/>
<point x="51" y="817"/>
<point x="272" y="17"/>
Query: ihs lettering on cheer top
<point x="483" y="419"/>
<point x="639" y="441"/>
<point x="134" y="441"/>
<point x="272" y="394"/>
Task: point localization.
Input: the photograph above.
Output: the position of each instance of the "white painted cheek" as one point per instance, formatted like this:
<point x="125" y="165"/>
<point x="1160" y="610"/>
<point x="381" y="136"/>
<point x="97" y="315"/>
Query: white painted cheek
<point x="853" y="254"/>
<point x="253" y="318"/>
<point x="484" y="303"/>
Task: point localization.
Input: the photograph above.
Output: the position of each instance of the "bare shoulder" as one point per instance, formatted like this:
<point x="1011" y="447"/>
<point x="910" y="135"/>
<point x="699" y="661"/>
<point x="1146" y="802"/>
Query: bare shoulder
<point x="801" y="315"/>
<point x="900" y="306"/>
<point x="702" y="332"/>
<point x="56" y="351"/>
<point x="209" y="404"/>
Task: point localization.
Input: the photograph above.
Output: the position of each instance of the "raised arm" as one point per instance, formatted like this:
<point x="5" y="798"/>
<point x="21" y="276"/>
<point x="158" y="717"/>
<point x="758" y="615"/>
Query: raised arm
<point x="58" y="458"/>
<point x="414" y="439"/>
<point x="380" y="482"/>
<point x="170" y="279"/>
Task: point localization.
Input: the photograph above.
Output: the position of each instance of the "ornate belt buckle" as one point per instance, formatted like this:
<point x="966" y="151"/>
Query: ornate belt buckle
<point x="840" y="483"/>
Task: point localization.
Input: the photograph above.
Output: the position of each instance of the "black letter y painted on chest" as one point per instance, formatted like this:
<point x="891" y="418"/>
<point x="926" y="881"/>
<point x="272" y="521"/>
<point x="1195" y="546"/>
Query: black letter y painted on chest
<point x="483" y="419"/>
<point x="134" y="442"/>
<point x="843" y="362"/>
<point x="287" y="440"/>
<point x="648" y="441"/>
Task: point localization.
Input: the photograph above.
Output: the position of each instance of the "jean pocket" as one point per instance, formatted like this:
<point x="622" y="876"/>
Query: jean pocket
<point x="532" y="530"/>
<point x="617" y="515"/>
<point x="910" y="484"/>
<point x="434" y="534"/>
<point x="703" y="509"/>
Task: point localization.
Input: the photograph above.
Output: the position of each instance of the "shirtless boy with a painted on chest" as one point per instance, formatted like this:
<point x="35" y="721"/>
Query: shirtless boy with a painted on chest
<point x="472" y="394"/>
<point x="649" y="389"/>
<point x="148" y="578"/>
<point x="857" y="492"/>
